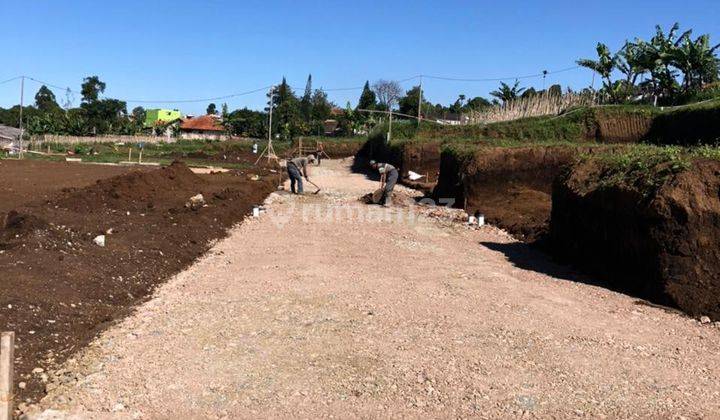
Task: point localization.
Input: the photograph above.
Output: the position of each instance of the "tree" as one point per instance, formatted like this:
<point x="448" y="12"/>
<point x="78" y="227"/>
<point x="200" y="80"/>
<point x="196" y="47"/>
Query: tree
<point x="321" y="106"/>
<point x="286" y="117"/>
<point x="138" y="115"/>
<point x="45" y="100"/>
<point x="408" y="104"/>
<point x="306" y="103"/>
<point x="555" y="90"/>
<point x="604" y="66"/>
<point x="211" y="109"/>
<point x="224" y="110"/>
<point x="246" y="123"/>
<point x="529" y="93"/>
<point x="477" y="103"/>
<point x="387" y="92"/>
<point x="91" y="89"/>
<point x="367" y="98"/>
<point x="508" y="93"/>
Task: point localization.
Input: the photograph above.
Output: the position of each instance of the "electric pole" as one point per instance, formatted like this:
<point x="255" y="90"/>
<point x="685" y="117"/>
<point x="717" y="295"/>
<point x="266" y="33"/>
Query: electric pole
<point x="272" y="97"/>
<point x="22" y="98"/>
<point x="389" y="137"/>
<point x="419" y="103"/>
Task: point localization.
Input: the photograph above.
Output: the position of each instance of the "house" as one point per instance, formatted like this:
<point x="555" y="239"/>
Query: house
<point x="330" y="127"/>
<point x="202" y="127"/>
<point x="8" y="136"/>
<point x="158" y="117"/>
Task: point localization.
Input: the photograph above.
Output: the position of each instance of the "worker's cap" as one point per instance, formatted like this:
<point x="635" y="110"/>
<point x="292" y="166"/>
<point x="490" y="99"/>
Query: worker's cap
<point x="311" y="158"/>
<point x="373" y="163"/>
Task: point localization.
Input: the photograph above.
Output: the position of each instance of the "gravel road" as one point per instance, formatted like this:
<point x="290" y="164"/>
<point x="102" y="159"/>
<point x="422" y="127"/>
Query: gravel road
<point x="326" y="307"/>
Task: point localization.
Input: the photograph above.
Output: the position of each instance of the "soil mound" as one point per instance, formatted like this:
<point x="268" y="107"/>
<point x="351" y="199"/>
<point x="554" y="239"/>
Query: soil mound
<point x="52" y="269"/>
<point x="133" y="189"/>
<point x="663" y="244"/>
<point x="17" y="225"/>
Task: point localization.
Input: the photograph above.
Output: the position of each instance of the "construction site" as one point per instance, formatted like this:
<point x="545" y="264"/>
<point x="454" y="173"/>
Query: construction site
<point x="251" y="226"/>
<point x="278" y="304"/>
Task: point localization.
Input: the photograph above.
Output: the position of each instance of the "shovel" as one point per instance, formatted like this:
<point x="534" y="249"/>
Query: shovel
<point x="315" y="185"/>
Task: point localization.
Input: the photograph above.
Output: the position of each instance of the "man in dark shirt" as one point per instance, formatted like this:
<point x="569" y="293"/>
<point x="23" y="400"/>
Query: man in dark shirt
<point x="297" y="168"/>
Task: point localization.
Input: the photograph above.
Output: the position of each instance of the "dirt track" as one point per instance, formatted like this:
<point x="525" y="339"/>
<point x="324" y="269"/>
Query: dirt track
<point x="295" y="315"/>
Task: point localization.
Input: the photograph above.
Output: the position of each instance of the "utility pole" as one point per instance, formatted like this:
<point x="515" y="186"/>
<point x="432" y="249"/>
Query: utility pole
<point x="22" y="98"/>
<point x="545" y="72"/>
<point x="389" y="137"/>
<point x="269" y="151"/>
<point x="419" y="102"/>
<point x="272" y="97"/>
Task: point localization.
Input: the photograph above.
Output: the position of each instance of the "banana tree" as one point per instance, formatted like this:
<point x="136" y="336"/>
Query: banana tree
<point x="696" y="60"/>
<point x="604" y="66"/>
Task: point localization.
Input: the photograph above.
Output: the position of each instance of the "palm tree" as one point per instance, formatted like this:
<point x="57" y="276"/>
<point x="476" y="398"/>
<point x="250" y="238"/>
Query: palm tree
<point x="507" y="93"/>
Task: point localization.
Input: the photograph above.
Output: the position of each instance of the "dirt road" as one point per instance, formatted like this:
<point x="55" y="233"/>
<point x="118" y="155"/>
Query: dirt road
<point x="324" y="308"/>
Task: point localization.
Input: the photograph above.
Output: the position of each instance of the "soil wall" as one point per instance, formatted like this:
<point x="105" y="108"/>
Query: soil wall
<point x="664" y="246"/>
<point x="510" y="186"/>
<point x="687" y="126"/>
<point x="615" y="127"/>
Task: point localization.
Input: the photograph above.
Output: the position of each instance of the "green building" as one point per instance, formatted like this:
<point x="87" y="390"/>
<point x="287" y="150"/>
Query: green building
<point x="153" y="116"/>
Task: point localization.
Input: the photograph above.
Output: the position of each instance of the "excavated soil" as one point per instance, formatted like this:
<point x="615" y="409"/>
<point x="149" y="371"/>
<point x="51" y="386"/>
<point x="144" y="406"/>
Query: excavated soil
<point x="663" y="245"/>
<point x="28" y="180"/>
<point x="510" y="186"/>
<point x="60" y="289"/>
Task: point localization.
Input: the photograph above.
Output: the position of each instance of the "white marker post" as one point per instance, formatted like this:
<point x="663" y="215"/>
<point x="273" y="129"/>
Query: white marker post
<point x="7" y="358"/>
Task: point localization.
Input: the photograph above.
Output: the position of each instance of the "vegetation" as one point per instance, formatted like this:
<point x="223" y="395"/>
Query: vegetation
<point x="678" y="68"/>
<point x="645" y="167"/>
<point x="190" y="151"/>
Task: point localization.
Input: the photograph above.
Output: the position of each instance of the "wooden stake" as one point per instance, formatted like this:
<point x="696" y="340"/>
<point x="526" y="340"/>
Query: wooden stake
<point x="7" y="358"/>
<point x="130" y="154"/>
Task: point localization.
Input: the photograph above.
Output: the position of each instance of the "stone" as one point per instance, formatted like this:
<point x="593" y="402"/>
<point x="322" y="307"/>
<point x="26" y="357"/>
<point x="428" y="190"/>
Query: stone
<point x="195" y="202"/>
<point x="99" y="240"/>
<point x="704" y="320"/>
<point x="22" y="385"/>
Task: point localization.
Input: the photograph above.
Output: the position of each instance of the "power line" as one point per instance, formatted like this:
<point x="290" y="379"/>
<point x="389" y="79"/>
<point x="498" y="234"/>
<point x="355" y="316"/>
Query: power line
<point x="182" y="101"/>
<point x="10" y="80"/>
<point x="500" y="79"/>
<point x="265" y="88"/>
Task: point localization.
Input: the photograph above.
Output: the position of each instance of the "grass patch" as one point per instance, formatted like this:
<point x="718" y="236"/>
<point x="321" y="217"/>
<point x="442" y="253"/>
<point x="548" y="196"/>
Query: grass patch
<point x="645" y="167"/>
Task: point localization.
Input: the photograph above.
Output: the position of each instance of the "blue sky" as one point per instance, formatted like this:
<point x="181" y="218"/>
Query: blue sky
<point x="153" y="50"/>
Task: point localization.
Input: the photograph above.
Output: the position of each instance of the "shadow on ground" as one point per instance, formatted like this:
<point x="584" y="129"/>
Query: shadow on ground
<point x="530" y="257"/>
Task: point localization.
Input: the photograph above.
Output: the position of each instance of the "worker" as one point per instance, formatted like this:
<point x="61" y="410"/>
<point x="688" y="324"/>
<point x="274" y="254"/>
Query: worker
<point x="388" y="179"/>
<point x="255" y="147"/>
<point x="297" y="168"/>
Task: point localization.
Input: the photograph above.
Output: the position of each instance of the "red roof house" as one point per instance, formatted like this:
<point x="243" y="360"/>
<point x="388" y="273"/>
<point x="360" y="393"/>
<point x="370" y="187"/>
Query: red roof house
<point x="205" y="126"/>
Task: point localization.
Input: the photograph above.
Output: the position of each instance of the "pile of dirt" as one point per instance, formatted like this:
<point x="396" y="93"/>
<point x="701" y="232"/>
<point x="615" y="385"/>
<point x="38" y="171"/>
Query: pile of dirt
<point x="60" y="288"/>
<point x="30" y="180"/>
<point x="662" y="244"/>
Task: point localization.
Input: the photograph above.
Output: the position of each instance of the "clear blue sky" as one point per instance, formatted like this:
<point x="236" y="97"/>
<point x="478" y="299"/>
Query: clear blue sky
<point x="198" y="49"/>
